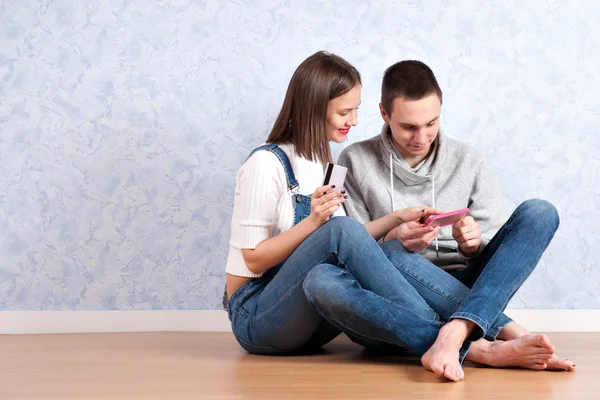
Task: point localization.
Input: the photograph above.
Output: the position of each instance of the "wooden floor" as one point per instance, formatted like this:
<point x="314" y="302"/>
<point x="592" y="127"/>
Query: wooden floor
<point x="212" y="366"/>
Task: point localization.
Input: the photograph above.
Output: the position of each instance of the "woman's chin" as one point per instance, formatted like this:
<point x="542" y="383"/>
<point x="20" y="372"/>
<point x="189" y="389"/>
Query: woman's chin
<point x="338" y="138"/>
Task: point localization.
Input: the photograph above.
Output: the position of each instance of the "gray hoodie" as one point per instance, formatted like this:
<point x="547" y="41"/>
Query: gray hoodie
<point x="379" y="181"/>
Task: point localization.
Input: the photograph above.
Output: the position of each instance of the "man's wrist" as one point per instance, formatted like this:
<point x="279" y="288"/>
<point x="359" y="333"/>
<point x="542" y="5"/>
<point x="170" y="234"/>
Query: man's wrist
<point x="391" y="235"/>
<point x="470" y="253"/>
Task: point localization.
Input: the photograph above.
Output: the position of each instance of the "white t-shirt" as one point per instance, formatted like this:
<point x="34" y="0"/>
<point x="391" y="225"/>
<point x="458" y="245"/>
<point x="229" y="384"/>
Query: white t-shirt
<point x="263" y="205"/>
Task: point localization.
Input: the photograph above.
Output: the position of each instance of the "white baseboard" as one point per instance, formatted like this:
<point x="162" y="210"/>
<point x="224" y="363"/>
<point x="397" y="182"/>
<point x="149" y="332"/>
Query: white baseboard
<point x="40" y="322"/>
<point x="557" y="320"/>
<point x="33" y="322"/>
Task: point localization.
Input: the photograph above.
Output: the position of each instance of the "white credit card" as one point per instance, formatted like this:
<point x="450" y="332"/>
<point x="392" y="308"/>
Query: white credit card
<point x="335" y="175"/>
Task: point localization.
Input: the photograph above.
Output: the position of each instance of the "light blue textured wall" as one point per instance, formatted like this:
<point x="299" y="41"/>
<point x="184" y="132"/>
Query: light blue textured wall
<point x="122" y="124"/>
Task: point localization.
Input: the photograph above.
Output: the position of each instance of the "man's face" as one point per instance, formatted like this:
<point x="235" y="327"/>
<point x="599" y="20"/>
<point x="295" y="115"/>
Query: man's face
<point x="414" y="125"/>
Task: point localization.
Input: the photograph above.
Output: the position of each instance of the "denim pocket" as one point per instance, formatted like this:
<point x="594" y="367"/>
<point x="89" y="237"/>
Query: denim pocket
<point x="242" y="295"/>
<point x="242" y="304"/>
<point x="302" y="207"/>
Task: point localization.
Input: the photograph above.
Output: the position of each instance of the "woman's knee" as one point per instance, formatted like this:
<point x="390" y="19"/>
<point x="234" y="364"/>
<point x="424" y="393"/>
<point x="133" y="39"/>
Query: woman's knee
<point x="343" y="223"/>
<point x="393" y="248"/>
<point x="349" y="232"/>
<point x="321" y="286"/>
<point x="400" y="257"/>
<point x="318" y="282"/>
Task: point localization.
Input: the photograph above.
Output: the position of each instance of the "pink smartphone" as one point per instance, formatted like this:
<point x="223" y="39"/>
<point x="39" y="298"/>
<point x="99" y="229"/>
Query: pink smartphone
<point x="446" y="218"/>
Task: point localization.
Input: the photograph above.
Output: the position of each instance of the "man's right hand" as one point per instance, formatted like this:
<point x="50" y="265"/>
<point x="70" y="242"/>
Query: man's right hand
<point x="414" y="236"/>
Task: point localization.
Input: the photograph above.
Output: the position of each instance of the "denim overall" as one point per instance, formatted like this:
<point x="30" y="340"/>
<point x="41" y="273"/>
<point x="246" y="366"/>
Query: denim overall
<point x="301" y="202"/>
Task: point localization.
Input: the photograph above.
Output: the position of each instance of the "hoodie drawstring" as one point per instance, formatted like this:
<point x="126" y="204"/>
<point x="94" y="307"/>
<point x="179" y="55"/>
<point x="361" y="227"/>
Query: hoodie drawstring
<point x="437" y="250"/>
<point x="392" y="183"/>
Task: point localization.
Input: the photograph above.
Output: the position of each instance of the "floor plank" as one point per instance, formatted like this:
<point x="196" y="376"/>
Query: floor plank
<point x="212" y="366"/>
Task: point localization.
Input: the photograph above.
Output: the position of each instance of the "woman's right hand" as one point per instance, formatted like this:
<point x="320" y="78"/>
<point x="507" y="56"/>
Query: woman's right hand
<point x="416" y="213"/>
<point x="324" y="204"/>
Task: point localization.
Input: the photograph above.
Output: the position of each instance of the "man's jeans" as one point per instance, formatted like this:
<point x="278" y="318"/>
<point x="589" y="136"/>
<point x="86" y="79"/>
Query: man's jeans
<point x="479" y="293"/>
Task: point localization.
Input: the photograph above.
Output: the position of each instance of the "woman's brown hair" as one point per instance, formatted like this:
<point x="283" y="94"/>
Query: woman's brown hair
<point x="302" y="120"/>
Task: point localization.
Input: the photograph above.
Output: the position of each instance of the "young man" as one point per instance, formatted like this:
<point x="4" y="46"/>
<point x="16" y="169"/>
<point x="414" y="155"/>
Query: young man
<point x="466" y="272"/>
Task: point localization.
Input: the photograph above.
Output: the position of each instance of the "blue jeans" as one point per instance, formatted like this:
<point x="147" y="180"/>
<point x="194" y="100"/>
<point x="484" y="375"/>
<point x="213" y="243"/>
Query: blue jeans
<point x="272" y="315"/>
<point x="479" y="293"/>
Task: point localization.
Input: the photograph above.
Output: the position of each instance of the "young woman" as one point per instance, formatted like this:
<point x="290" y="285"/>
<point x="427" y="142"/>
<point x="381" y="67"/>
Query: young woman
<point x="285" y="223"/>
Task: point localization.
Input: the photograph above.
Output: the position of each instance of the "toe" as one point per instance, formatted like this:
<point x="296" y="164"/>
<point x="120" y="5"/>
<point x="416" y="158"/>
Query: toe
<point x="425" y="362"/>
<point x="461" y="373"/>
<point x="454" y="373"/>
<point x="544" y="341"/>
<point x="567" y="365"/>
<point x="437" y="368"/>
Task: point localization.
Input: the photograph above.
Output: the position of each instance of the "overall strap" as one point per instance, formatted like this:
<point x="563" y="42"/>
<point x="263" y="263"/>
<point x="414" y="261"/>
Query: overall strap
<point x="285" y="161"/>
<point x="292" y="186"/>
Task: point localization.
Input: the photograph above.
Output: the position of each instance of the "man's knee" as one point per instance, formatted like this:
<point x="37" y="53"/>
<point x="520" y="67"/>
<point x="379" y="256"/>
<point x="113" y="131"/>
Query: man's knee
<point x="540" y="210"/>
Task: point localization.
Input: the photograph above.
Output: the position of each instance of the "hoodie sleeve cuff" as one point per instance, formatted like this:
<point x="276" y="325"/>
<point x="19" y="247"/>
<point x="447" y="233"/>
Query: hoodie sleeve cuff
<point x="466" y="257"/>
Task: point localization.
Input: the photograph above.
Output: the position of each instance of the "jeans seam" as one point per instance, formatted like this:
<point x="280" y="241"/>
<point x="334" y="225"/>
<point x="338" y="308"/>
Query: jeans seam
<point x="421" y="280"/>
<point x="241" y="310"/>
<point x="494" y="331"/>
<point x="473" y="318"/>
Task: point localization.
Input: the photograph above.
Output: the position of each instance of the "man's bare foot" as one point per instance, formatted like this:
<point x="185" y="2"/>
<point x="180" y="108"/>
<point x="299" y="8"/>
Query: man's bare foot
<point x="529" y="351"/>
<point x="560" y="364"/>
<point x="443" y="357"/>
<point x="512" y="331"/>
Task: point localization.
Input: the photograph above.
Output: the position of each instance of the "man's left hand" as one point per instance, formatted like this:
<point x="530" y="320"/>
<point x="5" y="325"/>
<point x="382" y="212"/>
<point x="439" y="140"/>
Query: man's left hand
<point x="468" y="236"/>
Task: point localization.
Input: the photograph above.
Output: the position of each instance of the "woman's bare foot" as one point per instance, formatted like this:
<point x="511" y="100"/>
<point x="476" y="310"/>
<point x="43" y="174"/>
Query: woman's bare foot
<point x="560" y="364"/>
<point x="529" y="351"/>
<point x="443" y="357"/>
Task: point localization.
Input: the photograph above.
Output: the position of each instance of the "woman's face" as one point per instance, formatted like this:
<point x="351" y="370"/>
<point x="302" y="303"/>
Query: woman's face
<point x="342" y="114"/>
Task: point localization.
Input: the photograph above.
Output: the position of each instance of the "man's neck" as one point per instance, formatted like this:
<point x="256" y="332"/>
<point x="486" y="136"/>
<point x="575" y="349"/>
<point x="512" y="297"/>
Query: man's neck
<point x="413" y="161"/>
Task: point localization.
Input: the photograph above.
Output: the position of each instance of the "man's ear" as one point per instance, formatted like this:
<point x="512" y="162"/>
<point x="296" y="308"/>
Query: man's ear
<point x="384" y="114"/>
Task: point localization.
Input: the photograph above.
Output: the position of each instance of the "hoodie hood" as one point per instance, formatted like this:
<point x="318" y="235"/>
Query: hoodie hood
<point x="408" y="177"/>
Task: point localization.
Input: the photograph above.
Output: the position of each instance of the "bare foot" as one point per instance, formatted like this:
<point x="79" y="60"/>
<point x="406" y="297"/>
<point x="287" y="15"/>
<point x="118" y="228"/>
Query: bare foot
<point x="443" y="357"/>
<point x="560" y="364"/>
<point x="529" y="351"/>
